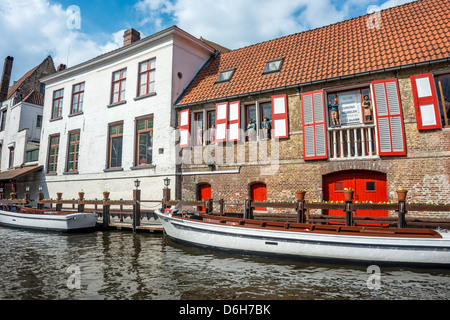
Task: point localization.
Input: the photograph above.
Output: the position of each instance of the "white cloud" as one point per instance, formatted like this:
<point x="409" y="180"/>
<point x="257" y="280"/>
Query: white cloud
<point x="237" y="23"/>
<point x="37" y="28"/>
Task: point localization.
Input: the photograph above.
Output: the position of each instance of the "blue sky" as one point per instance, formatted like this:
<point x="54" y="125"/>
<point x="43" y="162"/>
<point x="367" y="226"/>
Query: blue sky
<point x="75" y="31"/>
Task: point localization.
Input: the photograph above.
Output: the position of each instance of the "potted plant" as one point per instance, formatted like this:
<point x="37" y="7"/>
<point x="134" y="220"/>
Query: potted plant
<point x="348" y="194"/>
<point x="105" y="194"/>
<point x="300" y="194"/>
<point x="81" y="195"/>
<point x="401" y="194"/>
<point x="59" y="195"/>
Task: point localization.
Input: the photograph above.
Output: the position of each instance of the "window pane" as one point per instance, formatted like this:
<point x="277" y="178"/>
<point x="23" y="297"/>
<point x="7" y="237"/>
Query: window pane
<point x="152" y="64"/>
<point x="150" y="123"/>
<point x="143" y="66"/>
<point x="116" y="75"/>
<point x="143" y="79"/>
<point x="266" y="111"/>
<point x="370" y="186"/>
<point x="251" y="113"/>
<point x="151" y="87"/>
<point x="116" y="152"/>
<point x="141" y="125"/>
<point x="120" y="131"/>
<point x="145" y="148"/>
<point x="273" y="66"/>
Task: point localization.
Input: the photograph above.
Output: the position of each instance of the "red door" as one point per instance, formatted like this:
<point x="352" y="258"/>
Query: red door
<point x="368" y="186"/>
<point x="258" y="192"/>
<point x="203" y="192"/>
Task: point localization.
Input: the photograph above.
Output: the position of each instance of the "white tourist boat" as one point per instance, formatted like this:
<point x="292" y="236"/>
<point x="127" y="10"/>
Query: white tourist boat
<point x="28" y="218"/>
<point x="372" y="245"/>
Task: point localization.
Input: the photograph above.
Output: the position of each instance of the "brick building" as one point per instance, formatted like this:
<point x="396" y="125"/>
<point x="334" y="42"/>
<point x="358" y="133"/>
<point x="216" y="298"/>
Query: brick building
<point x="398" y="58"/>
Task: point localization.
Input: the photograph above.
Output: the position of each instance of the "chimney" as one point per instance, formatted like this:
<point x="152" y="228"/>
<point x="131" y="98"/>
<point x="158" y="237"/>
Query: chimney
<point x="130" y="36"/>
<point x="61" y="67"/>
<point x="6" y="77"/>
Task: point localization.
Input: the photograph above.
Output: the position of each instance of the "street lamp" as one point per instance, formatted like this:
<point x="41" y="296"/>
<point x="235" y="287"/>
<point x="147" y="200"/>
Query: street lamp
<point x="40" y="188"/>
<point x="167" y="182"/>
<point x="27" y="188"/>
<point x="137" y="183"/>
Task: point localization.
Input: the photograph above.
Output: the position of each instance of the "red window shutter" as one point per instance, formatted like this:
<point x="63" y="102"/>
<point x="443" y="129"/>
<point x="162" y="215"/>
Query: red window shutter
<point x="234" y="121"/>
<point x="315" y="143"/>
<point x="183" y="127"/>
<point x="280" y="117"/>
<point x="390" y="129"/>
<point x="221" y="121"/>
<point x="425" y="102"/>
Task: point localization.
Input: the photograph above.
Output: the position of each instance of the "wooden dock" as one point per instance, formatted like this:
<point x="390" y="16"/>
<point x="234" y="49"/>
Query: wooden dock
<point x="150" y="226"/>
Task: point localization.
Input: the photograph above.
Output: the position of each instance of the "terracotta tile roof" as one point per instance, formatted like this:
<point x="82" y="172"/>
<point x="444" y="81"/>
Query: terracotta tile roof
<point x="408" y="34"/>
<point x="35" y="98"/>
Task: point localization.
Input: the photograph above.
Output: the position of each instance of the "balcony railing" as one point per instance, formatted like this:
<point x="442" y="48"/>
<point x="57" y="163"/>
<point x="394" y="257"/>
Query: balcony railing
<point x="355" y="142"/>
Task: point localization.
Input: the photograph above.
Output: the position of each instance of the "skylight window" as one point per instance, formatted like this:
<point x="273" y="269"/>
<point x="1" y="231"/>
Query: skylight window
<point x="273" y="66"/>
<point x="225" y="75"/>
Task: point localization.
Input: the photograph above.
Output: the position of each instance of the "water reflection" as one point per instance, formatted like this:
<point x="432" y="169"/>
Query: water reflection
<point x="122" y="265"/>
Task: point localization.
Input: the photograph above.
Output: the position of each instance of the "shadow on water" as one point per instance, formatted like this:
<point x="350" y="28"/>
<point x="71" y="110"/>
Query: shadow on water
<point x="127" y="266"/>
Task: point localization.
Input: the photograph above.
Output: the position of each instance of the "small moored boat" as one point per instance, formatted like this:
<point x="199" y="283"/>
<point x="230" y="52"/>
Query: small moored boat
<point x="29" y="218"/>
<point x="373" y="245"/>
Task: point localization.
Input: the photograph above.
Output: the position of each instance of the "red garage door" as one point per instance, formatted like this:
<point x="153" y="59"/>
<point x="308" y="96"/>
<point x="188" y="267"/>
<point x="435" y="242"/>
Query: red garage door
<point x="368" y="186"/>
<point x="203" y="192"/>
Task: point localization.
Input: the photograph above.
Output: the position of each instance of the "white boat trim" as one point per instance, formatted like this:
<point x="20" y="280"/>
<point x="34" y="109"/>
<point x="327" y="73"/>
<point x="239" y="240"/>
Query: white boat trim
<point x="310" y="245"/>
<point x="50" y="221"/>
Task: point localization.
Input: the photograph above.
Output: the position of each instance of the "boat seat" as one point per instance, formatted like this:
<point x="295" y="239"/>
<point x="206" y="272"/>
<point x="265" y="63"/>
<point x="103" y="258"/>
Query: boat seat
<point x="194" y="217"/>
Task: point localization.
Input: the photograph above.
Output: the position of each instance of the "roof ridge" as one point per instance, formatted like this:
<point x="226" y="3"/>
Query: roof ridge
<point x="325" y="26"/>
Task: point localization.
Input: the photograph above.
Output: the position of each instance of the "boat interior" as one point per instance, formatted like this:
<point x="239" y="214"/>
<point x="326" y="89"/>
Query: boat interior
<point x="314" y="228"/>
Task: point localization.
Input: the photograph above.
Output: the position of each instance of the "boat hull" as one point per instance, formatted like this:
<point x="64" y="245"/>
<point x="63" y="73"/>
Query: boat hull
<point x="49" y="222"/>
<point x="315" y="246"/>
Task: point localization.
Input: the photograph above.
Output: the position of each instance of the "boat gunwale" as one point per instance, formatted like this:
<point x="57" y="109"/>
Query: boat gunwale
<point x="315" y="228"/>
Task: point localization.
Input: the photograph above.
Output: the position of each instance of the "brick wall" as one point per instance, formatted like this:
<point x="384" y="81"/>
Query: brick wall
<point x="425" y="170"/>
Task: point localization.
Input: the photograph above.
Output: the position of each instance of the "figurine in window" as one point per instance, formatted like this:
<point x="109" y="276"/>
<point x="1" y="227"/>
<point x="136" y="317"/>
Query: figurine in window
<point x="251" y="130"/>
<point x="265" y="125"/>
<point x="368" y="109"/>
<point x="212" y="134"/>
<point x="334" y="112"/>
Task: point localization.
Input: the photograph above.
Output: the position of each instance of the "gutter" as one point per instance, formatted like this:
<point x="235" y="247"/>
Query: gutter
<point x="304" y="84"/>
<point x="174" y="30"/>
<point x="198" y="173"/>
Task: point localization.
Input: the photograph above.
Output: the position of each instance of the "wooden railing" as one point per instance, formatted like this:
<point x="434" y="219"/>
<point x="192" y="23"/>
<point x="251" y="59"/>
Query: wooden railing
<point x="302" y="213"/>
<point x="352" y="142"/>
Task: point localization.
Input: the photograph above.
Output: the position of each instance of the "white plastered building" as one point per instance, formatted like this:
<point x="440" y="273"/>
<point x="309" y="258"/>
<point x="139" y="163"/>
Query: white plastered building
<point x="110" y="120"/>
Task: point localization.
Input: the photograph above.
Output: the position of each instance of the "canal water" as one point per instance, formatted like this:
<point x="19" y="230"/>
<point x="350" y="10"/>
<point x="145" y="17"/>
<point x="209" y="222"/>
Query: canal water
<point x="119" y="265"/>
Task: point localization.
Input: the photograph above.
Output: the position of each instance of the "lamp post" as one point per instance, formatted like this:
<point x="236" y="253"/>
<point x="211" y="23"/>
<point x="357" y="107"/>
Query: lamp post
<point x="40" y="197"/>
<point x="137" y="183"/>
<point x="166" y="190"/>
<point x="1" y="193"/>
<point x="27" y="194"/>
<point x="137" y="205"/>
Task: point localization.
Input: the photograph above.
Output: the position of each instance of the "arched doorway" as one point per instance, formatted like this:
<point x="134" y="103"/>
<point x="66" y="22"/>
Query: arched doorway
<point x="203" y="192"/>
<point x="258" y="192"/>
<point x="368" y="186"/>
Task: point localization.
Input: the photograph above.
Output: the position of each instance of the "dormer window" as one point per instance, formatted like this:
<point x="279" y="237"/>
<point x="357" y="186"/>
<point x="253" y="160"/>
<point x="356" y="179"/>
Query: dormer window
<point x="273" y="66"/>
<point x="225" y="75"/>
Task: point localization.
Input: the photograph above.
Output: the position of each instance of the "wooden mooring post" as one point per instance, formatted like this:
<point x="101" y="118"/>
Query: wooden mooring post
<point x="248" y="209"/>
<point x="301" y="211"/>
<point x="136" y="209"/>
<point x="401" y="214"/>
<point x="348" y="213"/>
<point x="106" y="216"/>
